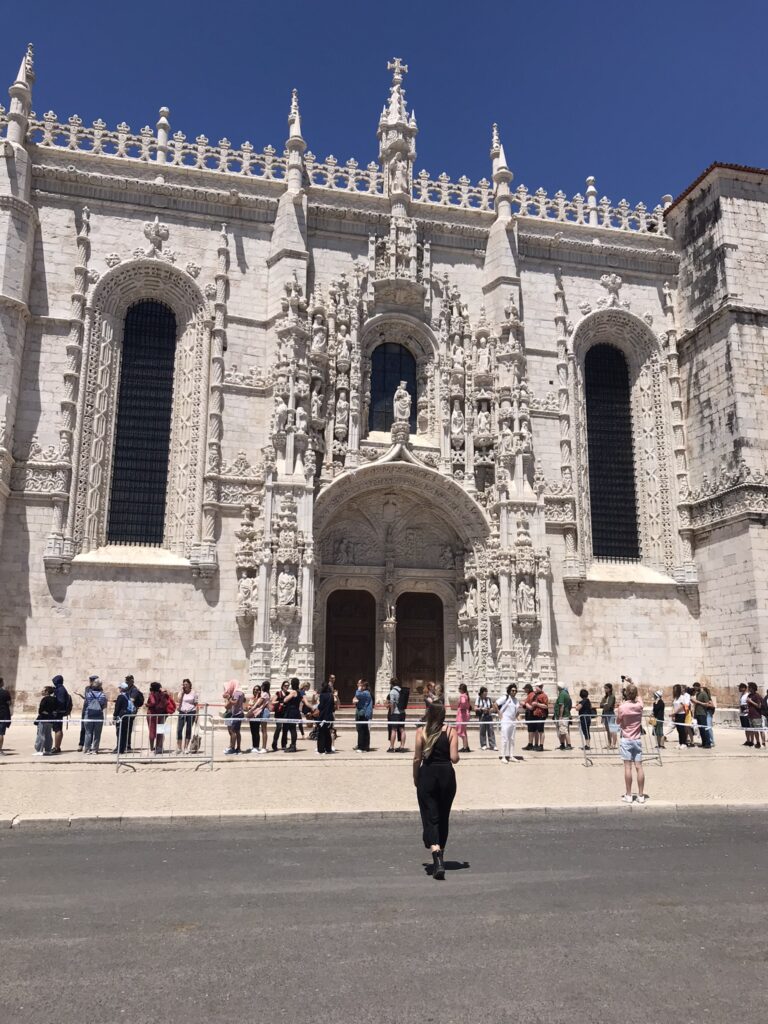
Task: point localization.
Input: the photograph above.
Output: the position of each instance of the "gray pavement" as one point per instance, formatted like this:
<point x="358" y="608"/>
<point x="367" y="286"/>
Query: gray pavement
<point x="622" y="918"/>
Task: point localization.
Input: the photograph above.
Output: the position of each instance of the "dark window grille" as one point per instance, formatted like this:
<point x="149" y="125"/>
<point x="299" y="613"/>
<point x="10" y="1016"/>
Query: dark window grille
<point x="143" y="429"/>
<point x="611" y="457"/>
<point x="390" y="364"/>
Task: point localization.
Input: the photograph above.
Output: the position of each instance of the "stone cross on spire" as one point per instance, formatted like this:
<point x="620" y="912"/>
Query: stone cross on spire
<point x="396" y="134"/>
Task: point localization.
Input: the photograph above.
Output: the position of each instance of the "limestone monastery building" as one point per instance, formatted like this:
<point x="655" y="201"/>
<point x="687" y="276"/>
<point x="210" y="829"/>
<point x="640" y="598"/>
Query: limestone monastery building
<point x="265" y="415"/>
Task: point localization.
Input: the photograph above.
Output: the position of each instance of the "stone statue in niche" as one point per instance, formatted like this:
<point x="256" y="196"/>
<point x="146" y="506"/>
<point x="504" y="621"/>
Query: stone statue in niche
<point x="525" y="436"/>
<point x="483" y="356"/>
<point x="345" y="552"/>
<point x="344" y="350"/>
<point x="472" y="601"/>
<point x="281" y="413"/>
<point x="319" y="335"/>
<point x="484" y="421"/>
<point x="342" y="409"/>
<point x="457" y="420"/>
<point x="506" y="438"/>
<point x="526" y="602"/>
<point x="302" y="423"/>
<point x="317" y="403"/>
<point x="245" y="590"/>
<point x="398" y="174"/>
<point x="402" y="404"/>
<point x="286" y="588"/>
<point x="463" y="604"/>
<point x="457" y="356"/>
<point x="494" y="597"/>
<point x="446" y="556"/>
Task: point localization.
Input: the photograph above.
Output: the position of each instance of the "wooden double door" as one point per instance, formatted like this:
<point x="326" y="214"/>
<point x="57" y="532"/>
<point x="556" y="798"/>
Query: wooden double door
<point x="350" y="640"/>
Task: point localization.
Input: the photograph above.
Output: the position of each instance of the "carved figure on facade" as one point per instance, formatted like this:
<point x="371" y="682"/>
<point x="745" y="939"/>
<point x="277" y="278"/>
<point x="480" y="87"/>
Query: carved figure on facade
<point x="526" y="599"/>
<point x="457" y="421"/>
<point x="494" y="597"/>
<point x="286" y="588"/>
<point x="402" y="403"/>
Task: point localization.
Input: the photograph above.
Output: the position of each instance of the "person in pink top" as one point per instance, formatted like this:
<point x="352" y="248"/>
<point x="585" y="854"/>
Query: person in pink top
<point x="630" y="719"/>
<point x="462" y="717"/>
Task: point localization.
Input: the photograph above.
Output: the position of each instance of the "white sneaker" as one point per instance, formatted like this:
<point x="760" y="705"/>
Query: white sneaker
<point x="333" y="750"/>
<point x="627" y="799"/>
<point x="642" y="799"/>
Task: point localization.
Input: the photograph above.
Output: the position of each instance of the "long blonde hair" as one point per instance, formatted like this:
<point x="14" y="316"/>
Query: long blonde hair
<point x="433" y="726"/>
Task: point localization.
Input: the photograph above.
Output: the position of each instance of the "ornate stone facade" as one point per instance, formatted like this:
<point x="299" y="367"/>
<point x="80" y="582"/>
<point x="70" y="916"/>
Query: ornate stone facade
<point x="285" y="275"/>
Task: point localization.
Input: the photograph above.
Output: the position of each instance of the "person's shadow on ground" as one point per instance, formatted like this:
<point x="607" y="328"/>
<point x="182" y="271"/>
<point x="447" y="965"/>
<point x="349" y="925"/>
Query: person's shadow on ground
<point x="450" y="865"/>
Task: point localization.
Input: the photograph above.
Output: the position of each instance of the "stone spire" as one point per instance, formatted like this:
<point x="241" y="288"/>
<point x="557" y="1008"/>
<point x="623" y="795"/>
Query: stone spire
<point x="296" y="147"/>
<point x="21" y="99"/>
<point x="397" y="134"/>
<point x="502" y="176"/>
<point x="502" y="277"/>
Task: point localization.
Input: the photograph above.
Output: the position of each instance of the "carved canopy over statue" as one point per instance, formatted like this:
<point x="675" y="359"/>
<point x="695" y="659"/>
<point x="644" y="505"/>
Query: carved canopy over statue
<point x="402" y="404"/>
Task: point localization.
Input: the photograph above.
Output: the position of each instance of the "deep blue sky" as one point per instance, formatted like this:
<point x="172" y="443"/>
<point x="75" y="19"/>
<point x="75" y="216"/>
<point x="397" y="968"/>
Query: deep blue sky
<point x="641" y="95"/>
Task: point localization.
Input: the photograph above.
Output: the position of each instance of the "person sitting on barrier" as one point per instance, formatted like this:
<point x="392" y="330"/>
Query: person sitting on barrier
<point x="586" y="713"/>
<point x="46" y="714"/>
<point x="5" y="713"/>
<point x="562" y="715"/>
<point x="630" y="720"/>
<point x="755" y="712"/>
<point x="234" y="701"/>
<point x="124" y="709"/>
<point x="159" y="706"/>
<point x="94" y="703"/>
<point x="608" y="709"/>
<point x="187" y="702"/>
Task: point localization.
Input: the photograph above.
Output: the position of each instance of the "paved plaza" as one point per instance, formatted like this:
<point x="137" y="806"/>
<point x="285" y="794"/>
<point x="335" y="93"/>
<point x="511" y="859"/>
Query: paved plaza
<point x="573" y="919"/>
<point x="74" y="788"/>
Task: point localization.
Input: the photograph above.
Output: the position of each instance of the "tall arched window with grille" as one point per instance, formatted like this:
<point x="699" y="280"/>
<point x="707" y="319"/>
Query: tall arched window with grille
<point x="143" y="426"/>
<point x="612" y="497"/>
<point x="390" y="363"/>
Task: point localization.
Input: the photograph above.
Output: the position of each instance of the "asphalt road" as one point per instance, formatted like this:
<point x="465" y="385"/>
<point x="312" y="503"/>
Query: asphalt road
<point x="635" y="917"/>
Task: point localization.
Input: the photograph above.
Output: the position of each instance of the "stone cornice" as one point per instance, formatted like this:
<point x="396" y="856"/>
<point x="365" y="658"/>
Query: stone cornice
<point x="611" y="252"/>
<point x="723" y="507"/>
<point x="19" y="205"/>
<point x="73" y="182"/>
<point x="728" y="308"/>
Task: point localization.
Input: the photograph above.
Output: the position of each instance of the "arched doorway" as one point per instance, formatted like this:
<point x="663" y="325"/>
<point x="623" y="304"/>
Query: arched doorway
<point x="419" y="650"/>
<point x="350" y="640"/>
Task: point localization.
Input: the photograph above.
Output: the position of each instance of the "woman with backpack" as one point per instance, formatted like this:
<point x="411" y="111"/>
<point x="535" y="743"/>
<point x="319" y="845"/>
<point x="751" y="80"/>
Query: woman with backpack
<point x="435" y="753"/>
<point x="63" y="710"/>
<point x="94" y="703"/>
<point x="160" y="704"/>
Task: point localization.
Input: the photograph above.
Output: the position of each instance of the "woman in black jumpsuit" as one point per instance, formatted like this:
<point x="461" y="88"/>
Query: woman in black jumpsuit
<point x="435" y="754"/>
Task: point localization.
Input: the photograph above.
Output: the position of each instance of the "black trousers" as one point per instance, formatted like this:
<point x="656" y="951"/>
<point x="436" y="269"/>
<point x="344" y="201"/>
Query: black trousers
<point x="363" y="736"/>
<point x="289" y="734"/>
<point x="254" y="724"/>
<point x="279" y="728"/>
<point x="324" y="738"/>
<point x="682" y="731"/>
<point x="121" y="728"/>
<point x="435" y="790"/>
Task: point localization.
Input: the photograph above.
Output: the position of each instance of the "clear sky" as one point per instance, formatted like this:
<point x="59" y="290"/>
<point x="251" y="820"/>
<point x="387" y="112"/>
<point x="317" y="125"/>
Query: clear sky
<point x="642" y="95"/>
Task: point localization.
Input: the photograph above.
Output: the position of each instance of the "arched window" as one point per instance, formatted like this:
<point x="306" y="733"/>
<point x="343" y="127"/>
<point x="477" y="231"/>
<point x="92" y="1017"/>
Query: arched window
<point x="143" y="427"/>
<point x="613" y="504"/>
<point x="390" y="363"/>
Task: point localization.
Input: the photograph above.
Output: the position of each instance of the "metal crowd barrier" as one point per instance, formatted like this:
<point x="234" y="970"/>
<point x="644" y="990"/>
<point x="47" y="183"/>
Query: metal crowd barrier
<point x="153" y="738"/>
<point x="600" y="745"/>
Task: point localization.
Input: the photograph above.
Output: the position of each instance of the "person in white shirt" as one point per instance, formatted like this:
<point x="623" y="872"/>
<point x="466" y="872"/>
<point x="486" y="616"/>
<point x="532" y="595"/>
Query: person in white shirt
<point x="508" y="710"/>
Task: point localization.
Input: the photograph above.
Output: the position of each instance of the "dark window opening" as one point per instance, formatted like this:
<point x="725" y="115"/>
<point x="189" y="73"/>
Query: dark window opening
<point x="390" y="364"/>
<point x="143" y="429"/>
<point x="611" y="457"/>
